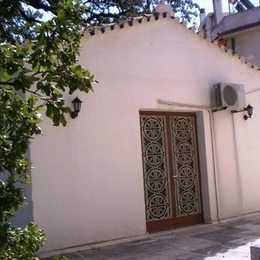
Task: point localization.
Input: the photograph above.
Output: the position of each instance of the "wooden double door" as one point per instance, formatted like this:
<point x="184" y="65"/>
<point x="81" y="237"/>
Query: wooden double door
<point x="171" y="170"/>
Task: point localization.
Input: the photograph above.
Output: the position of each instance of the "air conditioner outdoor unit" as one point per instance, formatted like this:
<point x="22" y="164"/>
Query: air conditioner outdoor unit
<point x="228" y="96"/>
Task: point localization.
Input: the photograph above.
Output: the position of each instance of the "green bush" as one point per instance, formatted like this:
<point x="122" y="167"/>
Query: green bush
<point x="21" y="243"/>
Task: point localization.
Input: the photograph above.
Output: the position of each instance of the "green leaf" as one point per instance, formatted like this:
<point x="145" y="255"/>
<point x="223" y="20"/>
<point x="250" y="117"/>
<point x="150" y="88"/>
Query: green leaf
<point x="49" y="111"/>
<point x="61" y="14"/>
<point x="36" y="66"/>
<point x="63" y="120"/>
<point x="5" y="76"/>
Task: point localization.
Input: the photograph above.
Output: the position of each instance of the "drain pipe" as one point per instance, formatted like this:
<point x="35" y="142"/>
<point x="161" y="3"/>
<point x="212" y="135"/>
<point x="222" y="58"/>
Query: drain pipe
<point x="213" y="143"/>
<point x="214" y="152"/>
<point x="237" y="164"/>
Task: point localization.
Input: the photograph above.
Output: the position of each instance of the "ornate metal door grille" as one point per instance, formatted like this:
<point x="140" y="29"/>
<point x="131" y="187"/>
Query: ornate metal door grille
<point x="186" y="177"/>
<point x="171" y="170"/>
<point x="155" y="167"/>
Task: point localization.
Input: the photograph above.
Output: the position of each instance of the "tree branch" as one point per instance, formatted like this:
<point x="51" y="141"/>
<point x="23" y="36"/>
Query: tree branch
<point x="6" y="83"/>
<point x="105" y="15"/>
<point x="34" y="93"/>
<point x="40" y="5"/>
<point x="28" y="18"/>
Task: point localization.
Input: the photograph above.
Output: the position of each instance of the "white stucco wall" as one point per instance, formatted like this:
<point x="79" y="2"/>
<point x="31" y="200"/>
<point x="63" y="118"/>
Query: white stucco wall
<point x="88" y="180"/>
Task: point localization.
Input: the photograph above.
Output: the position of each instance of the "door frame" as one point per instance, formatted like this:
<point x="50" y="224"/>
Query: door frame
<point x="168" y="223"/>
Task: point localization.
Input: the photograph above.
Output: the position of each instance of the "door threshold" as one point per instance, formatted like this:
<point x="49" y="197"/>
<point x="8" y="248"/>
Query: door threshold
<point x="197" y="227"/>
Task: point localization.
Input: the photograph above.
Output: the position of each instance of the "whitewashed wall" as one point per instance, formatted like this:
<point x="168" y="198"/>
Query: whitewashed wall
<point x="87" y="180"/>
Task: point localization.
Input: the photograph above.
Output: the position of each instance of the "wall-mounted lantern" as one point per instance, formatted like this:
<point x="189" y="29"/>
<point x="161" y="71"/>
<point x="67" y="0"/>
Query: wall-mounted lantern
<point x="249" y="110"/>
<point x="76" y="106"/>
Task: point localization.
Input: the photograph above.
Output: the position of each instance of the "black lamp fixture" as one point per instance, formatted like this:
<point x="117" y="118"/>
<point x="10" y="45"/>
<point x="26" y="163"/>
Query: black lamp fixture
<point x="76" y="106"/>
<point x="249" y="110"/>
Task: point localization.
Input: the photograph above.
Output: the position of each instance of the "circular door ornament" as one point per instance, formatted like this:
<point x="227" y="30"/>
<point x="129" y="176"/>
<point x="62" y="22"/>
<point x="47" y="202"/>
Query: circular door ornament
<point x="182" y="129"/>
<point x="184" y="153"/>
<point x="155" y="180"/>
<point x="153" y="128"/>
<point x="186" y="177"/>
<point x="154" y="154"/>
<point x="157" y="206"/>
<point x="188" y="202"/>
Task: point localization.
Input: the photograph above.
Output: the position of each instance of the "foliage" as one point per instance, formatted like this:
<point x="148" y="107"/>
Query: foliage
<point x="38" y="65"/>
<point x="23" y="243"/>
<point x="16" y="12"/>
<point x="104" y="11"/>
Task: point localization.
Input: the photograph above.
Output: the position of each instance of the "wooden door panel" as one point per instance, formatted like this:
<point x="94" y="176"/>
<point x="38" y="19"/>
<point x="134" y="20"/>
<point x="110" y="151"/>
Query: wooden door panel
<point x="157" y="184"/>
<point x="170" y="169"/>
<point x="186" y="175"/>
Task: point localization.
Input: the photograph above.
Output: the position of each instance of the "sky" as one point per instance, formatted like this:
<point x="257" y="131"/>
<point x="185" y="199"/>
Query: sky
<point x="207" y="4"/>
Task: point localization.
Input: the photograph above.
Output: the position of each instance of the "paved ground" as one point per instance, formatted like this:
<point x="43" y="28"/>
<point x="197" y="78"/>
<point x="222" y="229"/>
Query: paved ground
<point x="221" y="241"/>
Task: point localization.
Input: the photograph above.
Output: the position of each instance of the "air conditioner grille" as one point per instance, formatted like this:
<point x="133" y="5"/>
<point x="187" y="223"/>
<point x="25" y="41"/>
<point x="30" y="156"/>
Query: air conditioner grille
<point x="230" y="95"/>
